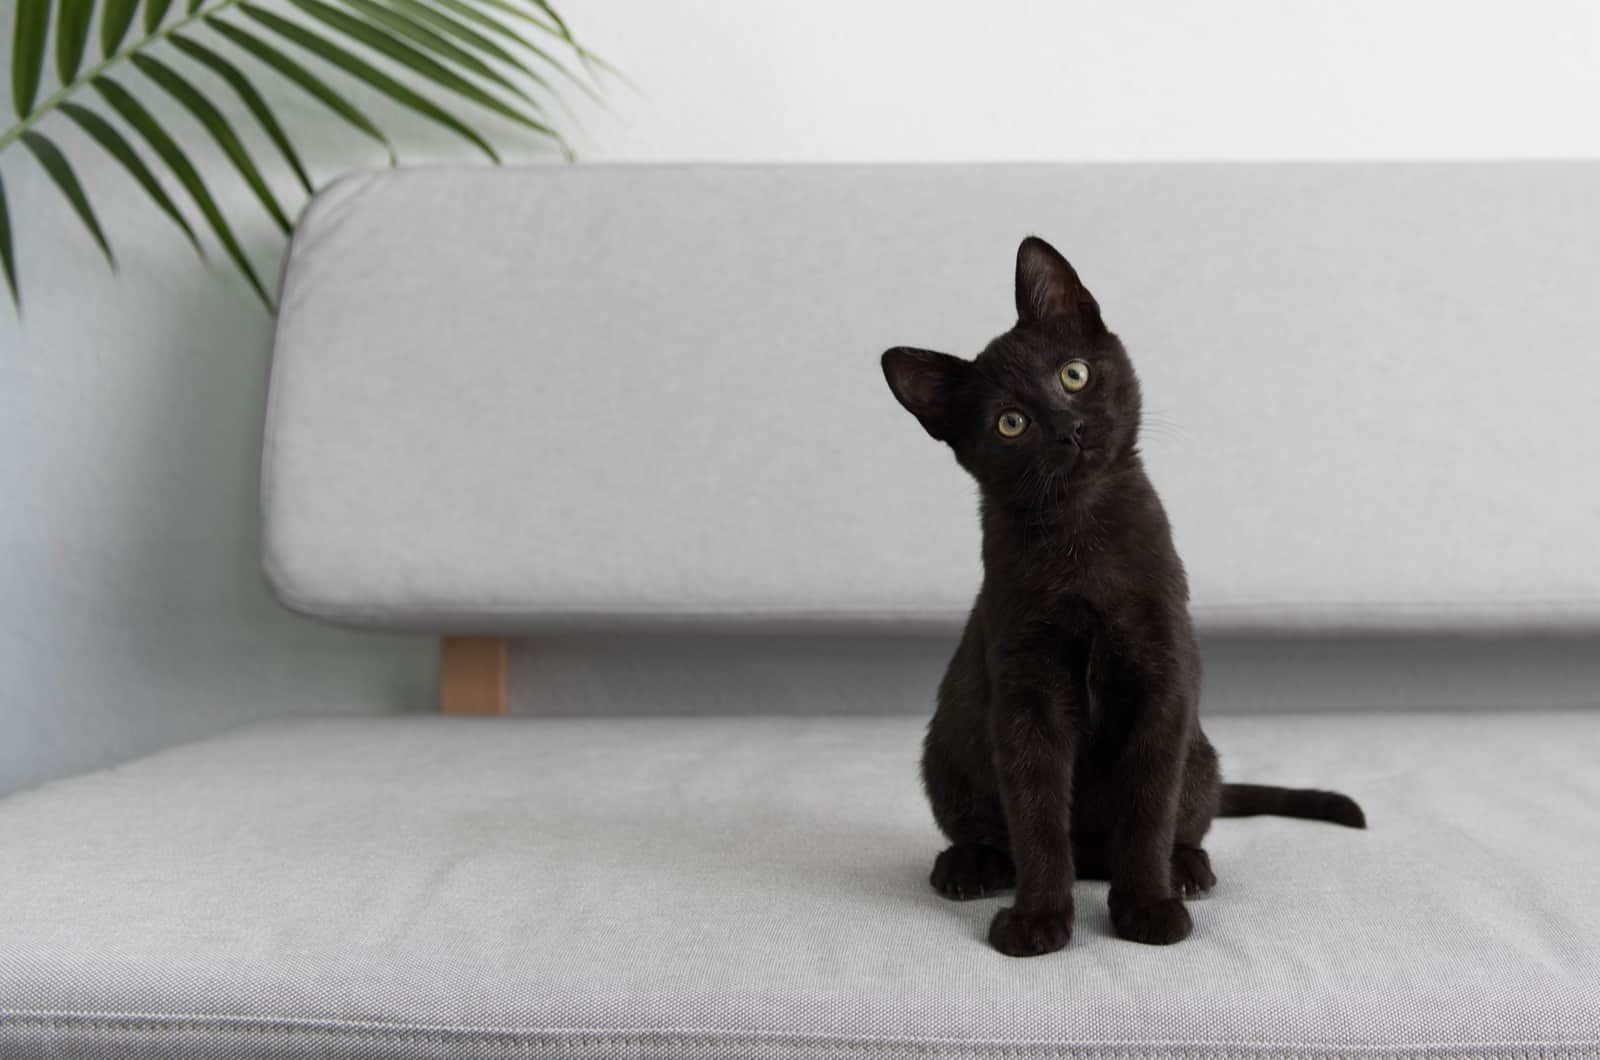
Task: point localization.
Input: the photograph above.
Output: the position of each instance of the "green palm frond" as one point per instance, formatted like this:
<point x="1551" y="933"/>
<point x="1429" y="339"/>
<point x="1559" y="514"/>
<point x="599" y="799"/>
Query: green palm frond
<point x="145" y="124"/>
<point x="114" y="22"/>
<point x="55" y="163"/>
<point x="106" y="135"/>
<point x="492" y="55"/>
<point x="251" y="99"/>
<point x="301" y="77"/>
<point x="154" y="12"/>
<point x="5" y="247"/>
<point x="418" y="32"/>
<point x="351" y="64"/>
<point x="27" y="52"/>
<point x="510" y="7"/>
<point x="72" y="36"/>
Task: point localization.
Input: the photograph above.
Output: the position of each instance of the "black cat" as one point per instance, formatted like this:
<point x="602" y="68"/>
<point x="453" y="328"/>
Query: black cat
<point x="1066" y="741"/>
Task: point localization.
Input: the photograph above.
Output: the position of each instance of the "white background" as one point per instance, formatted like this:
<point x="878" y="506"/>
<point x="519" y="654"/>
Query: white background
<point x="131" y="610"/>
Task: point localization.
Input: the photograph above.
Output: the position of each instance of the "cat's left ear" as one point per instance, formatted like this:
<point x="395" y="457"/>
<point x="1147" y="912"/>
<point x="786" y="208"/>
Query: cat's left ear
<point x="926" y="382"/>
<point x="1048" y="289"/>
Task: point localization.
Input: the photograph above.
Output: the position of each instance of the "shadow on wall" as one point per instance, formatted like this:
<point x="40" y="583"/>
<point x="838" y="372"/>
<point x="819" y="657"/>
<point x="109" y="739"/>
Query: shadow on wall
<point x="132" y="610"/>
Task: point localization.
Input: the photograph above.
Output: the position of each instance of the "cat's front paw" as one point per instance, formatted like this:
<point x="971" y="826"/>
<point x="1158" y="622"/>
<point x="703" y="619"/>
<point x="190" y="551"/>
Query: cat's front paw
<point x="971" y="870"/>
<point x="1158" y="922"/>
<point x="1019" y="934"/>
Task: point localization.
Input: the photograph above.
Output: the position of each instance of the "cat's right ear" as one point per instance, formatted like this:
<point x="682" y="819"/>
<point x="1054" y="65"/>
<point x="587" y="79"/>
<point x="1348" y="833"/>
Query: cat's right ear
<point x="1048" y="289"/>
<point x="926" y="382"/>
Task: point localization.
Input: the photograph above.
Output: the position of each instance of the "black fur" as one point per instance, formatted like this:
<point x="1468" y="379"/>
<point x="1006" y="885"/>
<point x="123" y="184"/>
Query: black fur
<point x="1066" y="742"/>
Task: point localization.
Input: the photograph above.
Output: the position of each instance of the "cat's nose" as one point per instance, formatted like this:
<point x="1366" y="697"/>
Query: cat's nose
<point x="1065" y="427"/>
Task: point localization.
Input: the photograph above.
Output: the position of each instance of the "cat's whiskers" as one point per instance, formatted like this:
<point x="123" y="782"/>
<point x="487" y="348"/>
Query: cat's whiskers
<point x="1154" y="423"/>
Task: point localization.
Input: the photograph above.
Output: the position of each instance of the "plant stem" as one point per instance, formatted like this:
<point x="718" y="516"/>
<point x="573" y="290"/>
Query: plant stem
<point x="98" y="68"/>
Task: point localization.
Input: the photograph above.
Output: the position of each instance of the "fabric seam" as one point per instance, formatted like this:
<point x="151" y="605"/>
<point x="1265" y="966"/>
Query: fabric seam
<point x="645" y="1036"/>
<point x="1578" y="612"/>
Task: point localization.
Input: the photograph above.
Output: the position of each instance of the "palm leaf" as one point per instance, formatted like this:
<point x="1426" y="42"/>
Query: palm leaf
<point x="365" y="71"/>
<point x="557" y="64"/>
<point x="461" y="47"/>
<point x="163" y="145"/>
<point x="422" y="12"/>
<point x="114" y="22"/>
<point x="525" y="16"/>
<point x="556" y="18"/>
<point x="563" y="30"/>
<point x="6" y="257"/>
<point x="209" y="116"/>
<point x="408" y="26"/>
<point x="72" y="33"/>
<point x="154" y="12"/>
<point x="300" y="76"/>
<point x="55" y="163"/>
<point x="467" y="11"/>
<point x="29" y="30"/>
<point x="590" y="59"/>
<point x="252" y="100"/>
<point x="106" y="135"/>
<point x="403" y="53"/>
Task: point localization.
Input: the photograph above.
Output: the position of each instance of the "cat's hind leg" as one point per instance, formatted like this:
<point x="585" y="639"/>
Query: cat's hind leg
<point x="965" y="871"/>
<point x="978" y="861"/>
<point x="956" y="772"/>
<point x="1198" y="803"/>
<point x="1191" y="871"/>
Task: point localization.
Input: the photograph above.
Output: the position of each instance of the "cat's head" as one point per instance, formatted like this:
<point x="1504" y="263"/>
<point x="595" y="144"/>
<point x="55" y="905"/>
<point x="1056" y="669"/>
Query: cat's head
<point x="1050" y="405"/>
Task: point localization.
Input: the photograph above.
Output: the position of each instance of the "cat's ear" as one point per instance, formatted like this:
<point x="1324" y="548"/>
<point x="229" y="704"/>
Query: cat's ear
<point x="1048" y="290"/>
<point x="926" y="382"/>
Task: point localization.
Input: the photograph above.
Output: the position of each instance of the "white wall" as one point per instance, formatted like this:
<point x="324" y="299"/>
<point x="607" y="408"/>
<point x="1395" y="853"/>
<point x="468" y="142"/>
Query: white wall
<point x="1100" y="79"/>
<point x="131" y="612"/>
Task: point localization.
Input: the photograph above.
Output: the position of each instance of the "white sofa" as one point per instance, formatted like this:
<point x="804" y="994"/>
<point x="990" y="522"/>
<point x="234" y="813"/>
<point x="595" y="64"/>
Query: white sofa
<point x="633" y="417"/>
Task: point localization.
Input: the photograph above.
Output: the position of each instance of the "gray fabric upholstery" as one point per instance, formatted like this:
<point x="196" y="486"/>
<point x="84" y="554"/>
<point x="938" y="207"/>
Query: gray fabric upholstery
<point x="600" y="675"/>
<point x="447" y="888"/>
<point x="588" y="396"/>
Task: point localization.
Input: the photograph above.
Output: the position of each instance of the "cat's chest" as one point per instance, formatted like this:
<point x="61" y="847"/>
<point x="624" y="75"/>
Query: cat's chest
<point x="1059" y="633"/>
<point x="1072" y="602"/>
<point x="1074" y="641"/>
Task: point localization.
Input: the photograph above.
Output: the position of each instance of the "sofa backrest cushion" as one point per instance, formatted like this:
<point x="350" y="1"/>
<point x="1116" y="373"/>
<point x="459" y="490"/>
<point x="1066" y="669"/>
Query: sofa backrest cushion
<point x="597" y="396"/>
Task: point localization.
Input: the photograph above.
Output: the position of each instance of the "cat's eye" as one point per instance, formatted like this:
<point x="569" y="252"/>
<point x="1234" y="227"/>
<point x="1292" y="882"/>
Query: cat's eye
<point x="1011" y="423"/>
<point x="1075" y="376"/>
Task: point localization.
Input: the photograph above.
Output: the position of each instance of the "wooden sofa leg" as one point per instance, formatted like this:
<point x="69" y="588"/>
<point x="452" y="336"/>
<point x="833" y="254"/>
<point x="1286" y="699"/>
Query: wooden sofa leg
<point x="472" y="675"/>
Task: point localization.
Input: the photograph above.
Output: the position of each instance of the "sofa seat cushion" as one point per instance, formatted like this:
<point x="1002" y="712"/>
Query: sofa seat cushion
<point x="425" y="887"/>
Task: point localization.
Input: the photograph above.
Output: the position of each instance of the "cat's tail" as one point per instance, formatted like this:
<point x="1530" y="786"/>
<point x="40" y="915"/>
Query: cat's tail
<point x="1250" y="800"/>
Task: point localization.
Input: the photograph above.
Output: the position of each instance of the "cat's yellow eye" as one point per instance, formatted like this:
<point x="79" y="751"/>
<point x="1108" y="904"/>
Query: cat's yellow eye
<point x="1074" y="376"/>
<point x="1011" y="423"/>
